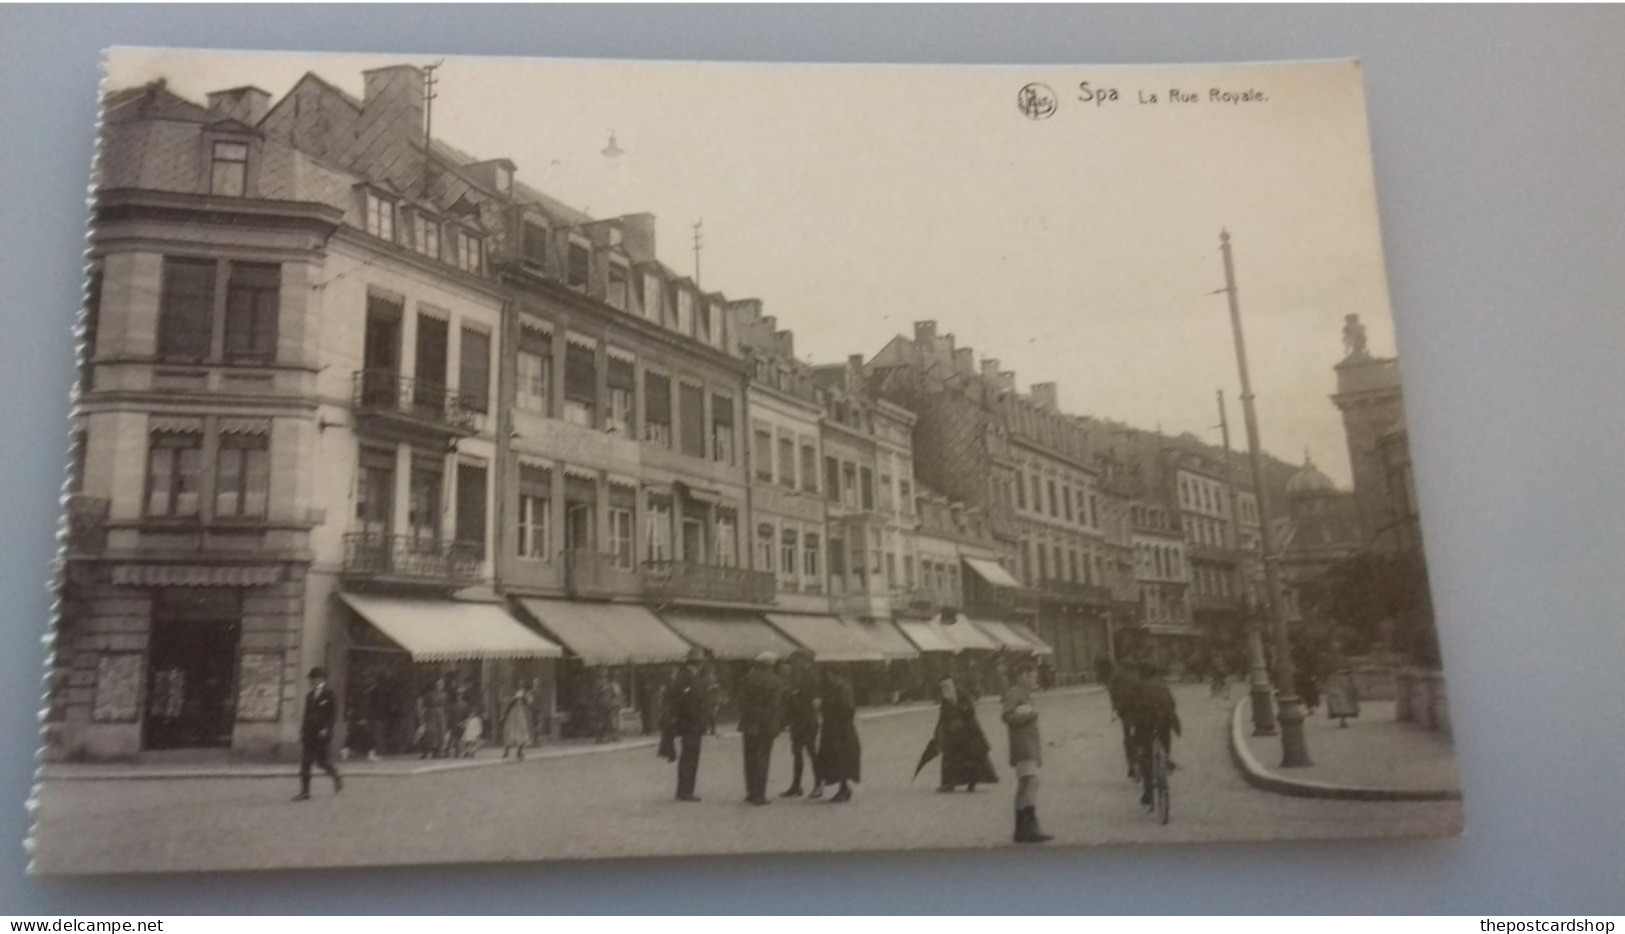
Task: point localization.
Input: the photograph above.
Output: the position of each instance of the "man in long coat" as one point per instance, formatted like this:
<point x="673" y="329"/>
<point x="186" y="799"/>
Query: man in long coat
<point x="316" y="733"/>
<point x="801" y="709"/>
<point x="760" y="696"/>
<point x="686" y="717"/>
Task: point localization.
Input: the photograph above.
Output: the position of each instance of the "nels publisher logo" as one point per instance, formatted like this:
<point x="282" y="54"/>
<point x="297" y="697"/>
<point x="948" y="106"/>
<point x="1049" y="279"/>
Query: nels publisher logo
<point x="1036" y="101"/>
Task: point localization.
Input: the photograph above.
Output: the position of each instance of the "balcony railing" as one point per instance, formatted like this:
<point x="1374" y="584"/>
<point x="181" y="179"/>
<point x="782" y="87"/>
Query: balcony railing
<point x="592" y="574"/>
<point x="387" y="394"/>
<point x="1072" y="590"/>
<point x="679" y="580"/>
<point x="406" y="557"/>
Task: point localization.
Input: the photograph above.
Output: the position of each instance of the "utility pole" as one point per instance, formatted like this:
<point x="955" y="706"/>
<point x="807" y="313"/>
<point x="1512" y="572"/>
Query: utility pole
<point x="429" y="94"/>
<point x="1294" y="750"/>
<point x="1258" y="673"/>
<point x="699" y="244"/>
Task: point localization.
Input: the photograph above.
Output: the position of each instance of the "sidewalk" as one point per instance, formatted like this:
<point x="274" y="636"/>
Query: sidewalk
<point x="1375" y="758"/>
<point x="394" y="766"/>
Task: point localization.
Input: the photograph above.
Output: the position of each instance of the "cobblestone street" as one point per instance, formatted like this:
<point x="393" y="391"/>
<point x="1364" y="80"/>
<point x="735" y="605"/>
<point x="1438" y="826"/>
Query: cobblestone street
<point x="619" y="803"/>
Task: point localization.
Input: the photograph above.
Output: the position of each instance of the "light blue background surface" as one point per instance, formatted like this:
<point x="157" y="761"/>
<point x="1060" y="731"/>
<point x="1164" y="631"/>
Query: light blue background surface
<point x="1499" y="138"/>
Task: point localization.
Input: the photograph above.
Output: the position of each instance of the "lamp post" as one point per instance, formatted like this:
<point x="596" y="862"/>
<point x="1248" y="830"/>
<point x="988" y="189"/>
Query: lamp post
<point x="1294" y="750"/>
<point x="1258" y="673"/>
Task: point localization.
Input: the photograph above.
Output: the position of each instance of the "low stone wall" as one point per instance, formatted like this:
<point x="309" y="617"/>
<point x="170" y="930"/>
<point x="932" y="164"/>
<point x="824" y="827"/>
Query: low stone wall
<point x="1420" y="698"/>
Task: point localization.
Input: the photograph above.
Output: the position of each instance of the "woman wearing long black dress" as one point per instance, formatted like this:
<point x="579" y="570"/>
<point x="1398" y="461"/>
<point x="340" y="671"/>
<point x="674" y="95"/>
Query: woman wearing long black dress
<point x="839" y="753"/>
<point x="964" y="747"/>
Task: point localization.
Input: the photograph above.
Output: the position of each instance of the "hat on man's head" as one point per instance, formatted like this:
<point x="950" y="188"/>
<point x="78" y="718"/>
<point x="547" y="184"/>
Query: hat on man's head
<point x="318" y="672"/>
<point x="767" y="658"/>
<point x="696" y="654"/>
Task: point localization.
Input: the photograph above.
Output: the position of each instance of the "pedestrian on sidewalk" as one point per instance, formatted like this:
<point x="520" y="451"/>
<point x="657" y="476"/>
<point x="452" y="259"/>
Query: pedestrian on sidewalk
<point x="760" y="697"/>
<point x="1342" y="695"/>
<point x="316" y="733"/>
<point x="801" y="710"/>
<point x="1026" y="749"/>
<point x="685" y="722"/>
<point x="607" y="702"/>
<point x="959" y="738"/>
<point x="516" y="723"/>
<point x="839" y="753"/>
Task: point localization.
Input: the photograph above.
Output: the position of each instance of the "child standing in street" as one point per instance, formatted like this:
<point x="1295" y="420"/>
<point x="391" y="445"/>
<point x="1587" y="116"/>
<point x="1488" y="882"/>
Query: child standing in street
<point x="1026" y="749"/>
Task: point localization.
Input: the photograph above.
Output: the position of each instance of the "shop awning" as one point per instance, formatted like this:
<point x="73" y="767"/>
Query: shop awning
<point x="608" y="633"/>
<point x="964" y="634"/>
<point x="1040" y="647"/>
<point x="729" y="636"/>
<point x="1002" y="634"/>
<point x="884" y="635"/>
<point x="927" y="635"/>
<point x="444" y="630"/>
<point x="196" y="575"/>
<point x="827" y="638"/>
<point x="992" y="572"/>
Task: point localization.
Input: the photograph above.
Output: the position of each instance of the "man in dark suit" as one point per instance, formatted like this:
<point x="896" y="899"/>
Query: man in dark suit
<point x="316" y="733"/>
<point x="760" y="695"/>
<point x="801" y="708"/>
<point x="686" y="716"/>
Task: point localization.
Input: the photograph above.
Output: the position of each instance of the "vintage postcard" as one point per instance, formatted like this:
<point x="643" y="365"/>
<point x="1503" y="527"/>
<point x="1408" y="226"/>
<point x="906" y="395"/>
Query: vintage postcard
<point x="492" y="459"/>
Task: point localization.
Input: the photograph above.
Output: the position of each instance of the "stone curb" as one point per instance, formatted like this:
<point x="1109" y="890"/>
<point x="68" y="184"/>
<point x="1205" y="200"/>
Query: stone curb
<point x="55" y="772"/>
<point x="1260" y="777"/>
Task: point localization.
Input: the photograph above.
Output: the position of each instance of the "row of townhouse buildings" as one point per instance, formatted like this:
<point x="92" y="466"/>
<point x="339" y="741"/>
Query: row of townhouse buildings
<point x="352" y="398"/>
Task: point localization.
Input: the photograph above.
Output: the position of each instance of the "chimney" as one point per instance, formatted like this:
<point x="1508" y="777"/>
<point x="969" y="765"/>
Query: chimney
<point x="925" y="334"/>
<point x="395" y="96"/>
<point x="785" y="342"/>
<point x="990" y="369"/>
<point x="638" y="237"/>
<point x="245" y="105"/>
<point x="965" y="361"/>
<point x="1044" y="396"/>
<point x="1007" y="380"/>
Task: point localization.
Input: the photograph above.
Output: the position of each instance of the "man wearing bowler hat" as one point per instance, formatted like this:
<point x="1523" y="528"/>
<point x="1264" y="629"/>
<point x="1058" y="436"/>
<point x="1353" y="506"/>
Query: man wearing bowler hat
<point x="760" y="695"/>
<point x="316" y="733"/>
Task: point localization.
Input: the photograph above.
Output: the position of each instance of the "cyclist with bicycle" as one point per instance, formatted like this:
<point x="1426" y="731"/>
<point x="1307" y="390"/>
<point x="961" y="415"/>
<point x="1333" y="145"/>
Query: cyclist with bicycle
<point x="1151" y="716"/>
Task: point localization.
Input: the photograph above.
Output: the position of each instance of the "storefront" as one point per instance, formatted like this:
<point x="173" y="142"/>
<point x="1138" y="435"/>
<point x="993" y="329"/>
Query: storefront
<point x="733" y="639"/>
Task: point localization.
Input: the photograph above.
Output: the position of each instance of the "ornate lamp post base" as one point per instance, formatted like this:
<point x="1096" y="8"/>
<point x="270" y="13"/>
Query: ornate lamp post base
<point x="1294" y="750"/>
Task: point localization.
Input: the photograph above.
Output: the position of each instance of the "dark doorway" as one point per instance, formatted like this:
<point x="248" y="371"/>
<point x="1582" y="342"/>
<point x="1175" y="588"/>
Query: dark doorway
<point x="192" y="670"/>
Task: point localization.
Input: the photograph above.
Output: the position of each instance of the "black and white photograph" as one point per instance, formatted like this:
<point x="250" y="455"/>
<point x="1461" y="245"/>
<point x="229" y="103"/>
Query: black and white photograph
<point x="496" y="459"/>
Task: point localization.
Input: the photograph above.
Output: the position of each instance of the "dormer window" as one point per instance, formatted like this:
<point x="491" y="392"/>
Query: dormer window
<point x="468" y="252"/>
<point x="228" y="173"/>
<point x="380" y="216"/>
<point x="577" y="264"/>
<point x="685" y="312"/>
<point x="535" y="244"/>
<point x="426" y="235"/>
<point x="651" y="297"/>
<point x="615" y="291"/>
<point x="504" y="178"/>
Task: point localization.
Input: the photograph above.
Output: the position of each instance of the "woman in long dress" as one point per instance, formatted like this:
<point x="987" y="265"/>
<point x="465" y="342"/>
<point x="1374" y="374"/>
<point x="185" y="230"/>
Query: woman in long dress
<point x="839" y="752"/>
<point x="963" y="745"/>
<point x="516" y="726"/>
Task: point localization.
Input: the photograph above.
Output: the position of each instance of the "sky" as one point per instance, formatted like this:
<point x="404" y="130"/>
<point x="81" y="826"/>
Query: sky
<point x="1081" y="248"/>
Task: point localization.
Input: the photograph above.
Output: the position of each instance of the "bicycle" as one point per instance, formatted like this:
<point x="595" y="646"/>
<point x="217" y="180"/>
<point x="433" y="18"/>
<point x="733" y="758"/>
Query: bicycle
<point x="1160" y="800"/>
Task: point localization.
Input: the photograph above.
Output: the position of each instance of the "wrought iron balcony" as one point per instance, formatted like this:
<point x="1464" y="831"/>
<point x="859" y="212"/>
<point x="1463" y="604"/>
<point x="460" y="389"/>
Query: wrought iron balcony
<point x="592" y="574"/>
<point x="404" y="402"/>
<point x="679" y="580"/>
<point x="409" y="558"/>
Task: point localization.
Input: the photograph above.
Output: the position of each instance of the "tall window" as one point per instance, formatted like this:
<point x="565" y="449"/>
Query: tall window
<point x="1021" y="492"/>
<point x="474" y="376"/>
<point x="691" y="413"/>
<point x="787" y="462"/>
<point x="535" y="244"/>
<point x="1066" y="502"/>
<point x="832" y="479"/>
<point x="380" y="216"/>
<point x="535" y="513"/>
<point x="867" y="479"/>
<point x="906" y="494"/>
<point x="375" y="491"/>
<point x="253" y="294"/>
<point x="186" y="312"/>
<point x="174" y="468"/>
<point x="762" y="452"/>
<point x="657" y="409"/>
<point x="535" y="371"/>
<point x="1038" y="494"/>
<point x="659" y="543"/>
<point x="423" y="514"/>
<point x="787" y="552"/>
<point x="242" y="476"/>
<point x="727" y="539"/>
<point x="426" y="235"/>
<point x="722" y="428"/>
<point x="620" y="536"/>
<point x="809" y="467"/>
<point x="469" y="252"/>
<point x="810" y="556"/>
<point x="764" y="546"/>
<point x="685" y="312"/>
<point x="578" y="260"/>
<point x="228" y="172"/>
<point x="651" y="297"/>
<point x="471" y="500"/>
<point x="885" y="493"/>
<point x="621" y="380"/>
<point x="837" y="561"/>
<point x="615" y="291"/>
<point x="580" y="385"/>
<point x="1054" y="508"/>
<point x="849" y="484"/>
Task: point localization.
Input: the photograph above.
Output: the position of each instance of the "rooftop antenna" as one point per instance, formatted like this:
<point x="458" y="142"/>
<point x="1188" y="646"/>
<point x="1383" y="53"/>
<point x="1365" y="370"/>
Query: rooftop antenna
<point x="430" y="79"/>
<point x="699" y="244"/>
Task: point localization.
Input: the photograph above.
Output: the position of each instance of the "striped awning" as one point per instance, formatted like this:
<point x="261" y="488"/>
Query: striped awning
<point x="735" y="637"/>
<point x="992" y="572"/>
<point x="1003" y="635"/>
<point x="447" y="630"/>
<point x="927" y="635"/>
<point x="964" y="634"/>
<point x="1040" y="647"/>
<point x="826" y="638"/>
<point x="197" y="575"/>
<point x="608" y="633"/>
<point x="884" y="635"/>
